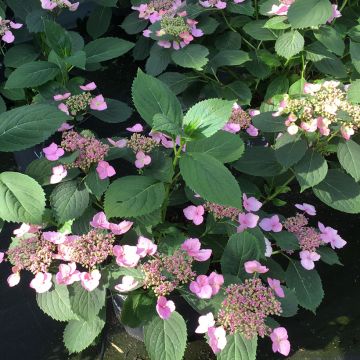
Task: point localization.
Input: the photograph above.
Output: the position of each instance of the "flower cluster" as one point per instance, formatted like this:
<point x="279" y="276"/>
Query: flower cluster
<point x="140" y="143"/>
<point x="241" y="120"/>
<point x="220" y="212"/>
<point x="156" y="9"/>
<point x="219" y="4"/>
<point x="62" y="4"/>
<point x="5" y="30"/>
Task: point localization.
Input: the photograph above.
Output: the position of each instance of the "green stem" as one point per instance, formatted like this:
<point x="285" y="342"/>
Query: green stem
<point x="343" y="5"/>
<point x="276" y="193"/>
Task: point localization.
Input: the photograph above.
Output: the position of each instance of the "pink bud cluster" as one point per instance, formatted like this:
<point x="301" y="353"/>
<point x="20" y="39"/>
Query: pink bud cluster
<point x="140" y="143"/>
<point x="156" y="9"/>
<point x="220" y="212"/>
<point x="52" y="4"/>
<point x="5" y="30"/>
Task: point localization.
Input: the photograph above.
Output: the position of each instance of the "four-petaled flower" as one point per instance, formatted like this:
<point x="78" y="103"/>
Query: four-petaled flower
<point x="280" y="342"/>
<point x="164" y="307"/>
<point x="195" y="213"/>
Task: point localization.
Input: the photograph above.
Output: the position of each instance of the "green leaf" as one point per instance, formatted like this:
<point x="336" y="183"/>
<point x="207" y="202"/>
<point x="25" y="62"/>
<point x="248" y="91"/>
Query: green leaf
<point x="286" y="240"/>
<point x="339" y="191"/>
<point x="35" y="20"/>
<point x="69" y="200"/>
<point x="22" y="198"/>
<point x="40" y="170"/>
<point x="311" y="169"/>
<point x="289" y="44"/>
<point x="256" y="30"/>
<point x="223" y="146"/>
<point x="32" y="74"/>
<point x="229" y="40"/>
<point x="95" y="185"/>
<point x="228" y="58"/>
<point x="161" y="167"/>
<point x="289" y="304"/>
<point x="132" y="24"/>
<point x="152" y="97"/>
<point x="290" y="149"/>
<point x="209" y="178"/>
<point x="81" y="225"/>
<point x="193" y="56"/>
<point x="279" y="86"/>
<point x="239" y="348"/>
<point x="240" y="248"/>
<point x="158" y="60"/>
<point x="116" y="112"/>
<point x="2" y="105"/>
<point x="78" y="59"/>
<point x="268" y="123"/>
<point x="56" y="303"/>
<point x="20" y="55"/>
<point x="258" y="161"/>
<point x="348" y="153"/>
<point x="207" y="117"/>
<point x="236" y="90"/>
<point x="165" y="125"/>
<point x="307" y="13"/>
<point x="354" y="92"/>
<point x="307" y="285"/>
<point x="106" y="48"/>
<point x="176" y="82"/>
<point x="277" y="23"/>
<point x="133" y="196"/>
<point x="166" y="339"/>
<point x="328" y="255"/>
<point x="355" y="54"/>
<point x="79" y="334"/>
<point x="58" y="38"/>
<point x="99" y="21"/>
<point x="331" y="39"/>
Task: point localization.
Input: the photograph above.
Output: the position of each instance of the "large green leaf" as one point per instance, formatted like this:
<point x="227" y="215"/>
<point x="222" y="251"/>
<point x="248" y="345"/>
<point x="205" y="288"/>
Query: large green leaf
<point x="256" y="30"/>
<point x="158" y="60"/>
<point x="69" y="200"/>
<point x="289" y="44"/>
<point x="355" y="54"/>
<point x="166" y="339"/>
<point x="286" y="240"/>
<point x="354" y="92"/>
<point x="193" y="56"/>
<point x="290" y="149"/>
<point x="348" y="153"/>
<point x="328" y="255"/>
<point x="20" y="55"/>
<point x="99" y="21"/>
<point x="22" y="199"/>
<point x="268" y="123"/>
<point x="133" y="196"/>
<point x="132" y="24"/>
<point x="239" y="348"/>
<point x="95" y="185"/>
<point x="289" y="303"/>
<point x="207" y="117"/>
<point x="331" y="39"/>
<point x="209" y="178"/>
<point x="116" y="112"/>
<point x="58" y="38"/>
<point x="228" y="58"/>
<point x="339" y="191"/>
<point x="151" y="97"/>
<point x="307" y="285"/>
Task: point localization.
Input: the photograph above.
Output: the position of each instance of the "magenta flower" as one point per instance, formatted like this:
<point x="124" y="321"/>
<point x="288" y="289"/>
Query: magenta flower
<point x="62" y="107"/>
<point x="54" y="237"/>
<point x="271" y="224"/>
<point x="127" y="284"/>
<point x="126" y="255"/>
<point x="145" y="247"/>
<point x="58" y="173"/>
<point x="331" y="236"/>
<point x="217" y="338"/>
<point x="88" y="87"/>
<point x="215" y="281"/>
<point x="251" y="204"/>
<point x="252" y="130"/>
<point x="119" y="143"/>
<point x="137" y="128"/>
<point x="105" y="170"/>
<point x="60" y="97"/>
<point x="67" y="274"/>
<point x="201" y="287"/>
<point x="41" y="282"/>
<point x="65" y="127"/>
<point x="53" y="152"/>
<point x="254" y="266"/>
<point x="192" y="247"/>
<point x="195" y="213"/>
<point x="308" y="258"/>
<point x="142" y="160"/>
<point x="275" y="285"/>
<point x="90" y="280"/>
<point x="248" y="220"/>
<point x="280" y="342"/>
<point x="307" y="208"/>
<point x="164" y="307"/>
<point x="98" y="103"/>
<point x="99" y="221"/>
<point x="205" y="322"/>
<point x="121" y="228"/>
<point x="13" y="279"/>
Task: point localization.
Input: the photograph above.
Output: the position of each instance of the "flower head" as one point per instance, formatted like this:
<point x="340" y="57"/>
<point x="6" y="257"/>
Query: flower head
<point x="98" y="103"/>
<point x="67" y="274"/>
<point x="195" y="213"/>
<point x="217" y="338"/>
<point x="100" y="221"/>
<point x="88" y="87"/>
<point x="271" y="224"/>
<point x="308" y="258"/>
<point x="120" y="228"/>
<point x="90" y="280"/>
<point x="142" y="160"/>
<point x="53" y="152"/>
<point x="137" y="128"/>
<point x="251" y="204"/>
<point x="307" y="208"/>
<point x="41" y="282"/>
<point x="58" y="173"/>
<point x="330" y="236"/>
<point x="275" y="285"/>
<point x="254" y="266"/>
<point x="248" y="220"/>
<point x="145" y="247"/>
<point x="280" y="342"/>
<point x="164" y="307"/>
<point x="126" y="255"/>
<point x="128" y="283"/>
<point x="192" y="247"/>
<point x="105" y="170"/>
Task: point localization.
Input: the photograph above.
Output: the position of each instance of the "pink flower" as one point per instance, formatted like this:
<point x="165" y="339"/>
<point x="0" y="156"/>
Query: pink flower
<point x="275" y="285"/>
<point x="119" y="143"/>
<point x="53" y="152"/>
<point x="308" y="258"/>
<point x="54" y="237"/>
<point x="26" y="229"/>
<point x="65" y="127"/>
<point x="251" y="204"/>
<point x="192" y="247"/>
<point x="13" y="279"/>
<point x="41" y="283"/>
<point x="311" y="88"/>
<point x="271" y="224"/>
<point x="252" y="130"/>
<point x="8" y="37"/>
<point x="217" y="338"/>
<point x="331" y="236"/>
<point x="145" y="247"/>
<point x="90" y="281"/>
<point x="67" y="274"/>
<point x="48" y="5"/>
<point x="58" y="173"/>
<point x="60" y="97"/>
<point x="16" y="26"/>
<point x="307" y="208"/>
<point x="232" y="127"/>
<point x="147" y="33"/>
<point x="164" y="43"/>
<point x="164" y="307"/>
<point x="201" y="287"/>
<point x="142" y="160"/>
<point x="2" y="255"/>
<point x="335" y="13"/>
<point x="323" y="126"/>
<point x="88" y="87"/>
<point x="135" y="128"/>
<point x="347" y="132"/>
<point x="121" y="228"/>
<point x="215" y="281"/>
<point x="248" y="220"/>
<point x="205" y="322"/>
<point x="105" y="170"/>
<point x="127" y="284"/>
<point x="254" y="266"/>
<point x="281" y="9"/>
<point x="280" y="342"/>
<point x="99" y="221"/>
<point x="126" y="255"/>
<point x="62" y="107"/>
<point x="98" y="103"/>
<point x="195" y="213"/>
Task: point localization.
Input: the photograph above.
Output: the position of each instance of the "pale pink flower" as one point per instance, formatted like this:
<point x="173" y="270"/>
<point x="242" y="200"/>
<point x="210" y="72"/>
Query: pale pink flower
<point x="280" y="342"/>
<point x="293" y="129"/>
<point x="99" y="221"/>
<point x="271" y="224"/>
<point x="164" y="307"/>
<point x="309" y="126"/>
<point x="74" y="6"/>
<point x="58" y="173"/>
<point x="147" y="33"/>
<point x="248" y="220"/>
<point x="53" y="152"/>
<point x="65" y="127"/>
<point x="127" y="284"/>
<point x="105" y="170"/>
<point x="275" y="285"/>
<point x="135" y="128"/>
<point x="232" y="127"/>
<point x="192" y="247"/>
<point x="121" y="228"/>
<point x="164" y="43"/>
<point x="307" y="208"/>
<point x="251" y="204"/>
<point x="41" y="283"/>
<point x="67" y="274"/>
<point x="48" y="5"/>
<point x="335" y="13"/>
<point x="119" y="143"/>
<point x="311" y="88"/>
<point x="254" y="112"/>
<point x="16" y="26"/>
<point x="8" y="37"/>
<point x="268" y="248"/>
<point x="347" y="132"/>
<point x="26" y="229"/>
<point x="194" y="213"/>
<point x="281" y="9"/>
<point x="62" y="107"/>
<point x="145" y="247"/>
<point x="54" y="237"/>
<point x="60" y="97"/>
<point x="2" y="255"/>
<point x="126" y="255"/>
<point x="331" y="236"/>
<point x="215" y="281"/>
<point x="142" y="160"/>
<point x="205" y="322"/>
<point x="254" y="266"/>
<point x="217" y="338"/>
<point x="90" y="280"/>
<point x="308" y="258"/>
<point x="13" y="279"/>
<point x="323" y="126"/>
<point x="201" y="287"/>
<point x="88" y="87"/>
<point x="252" y="130"/>
<point x="98" y="103"/>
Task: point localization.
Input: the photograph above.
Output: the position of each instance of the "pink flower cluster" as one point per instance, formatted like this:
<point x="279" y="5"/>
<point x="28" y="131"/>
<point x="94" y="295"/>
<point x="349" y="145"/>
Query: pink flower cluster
<point x="205" y="287"/>
<point x="219" y="4"/>
<point x="156" y="9"/>
<point x="5" y="30"/>
<point x="220" y="212"/>
<point x="241" y="120"/>
<point x="52" y="4"/>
